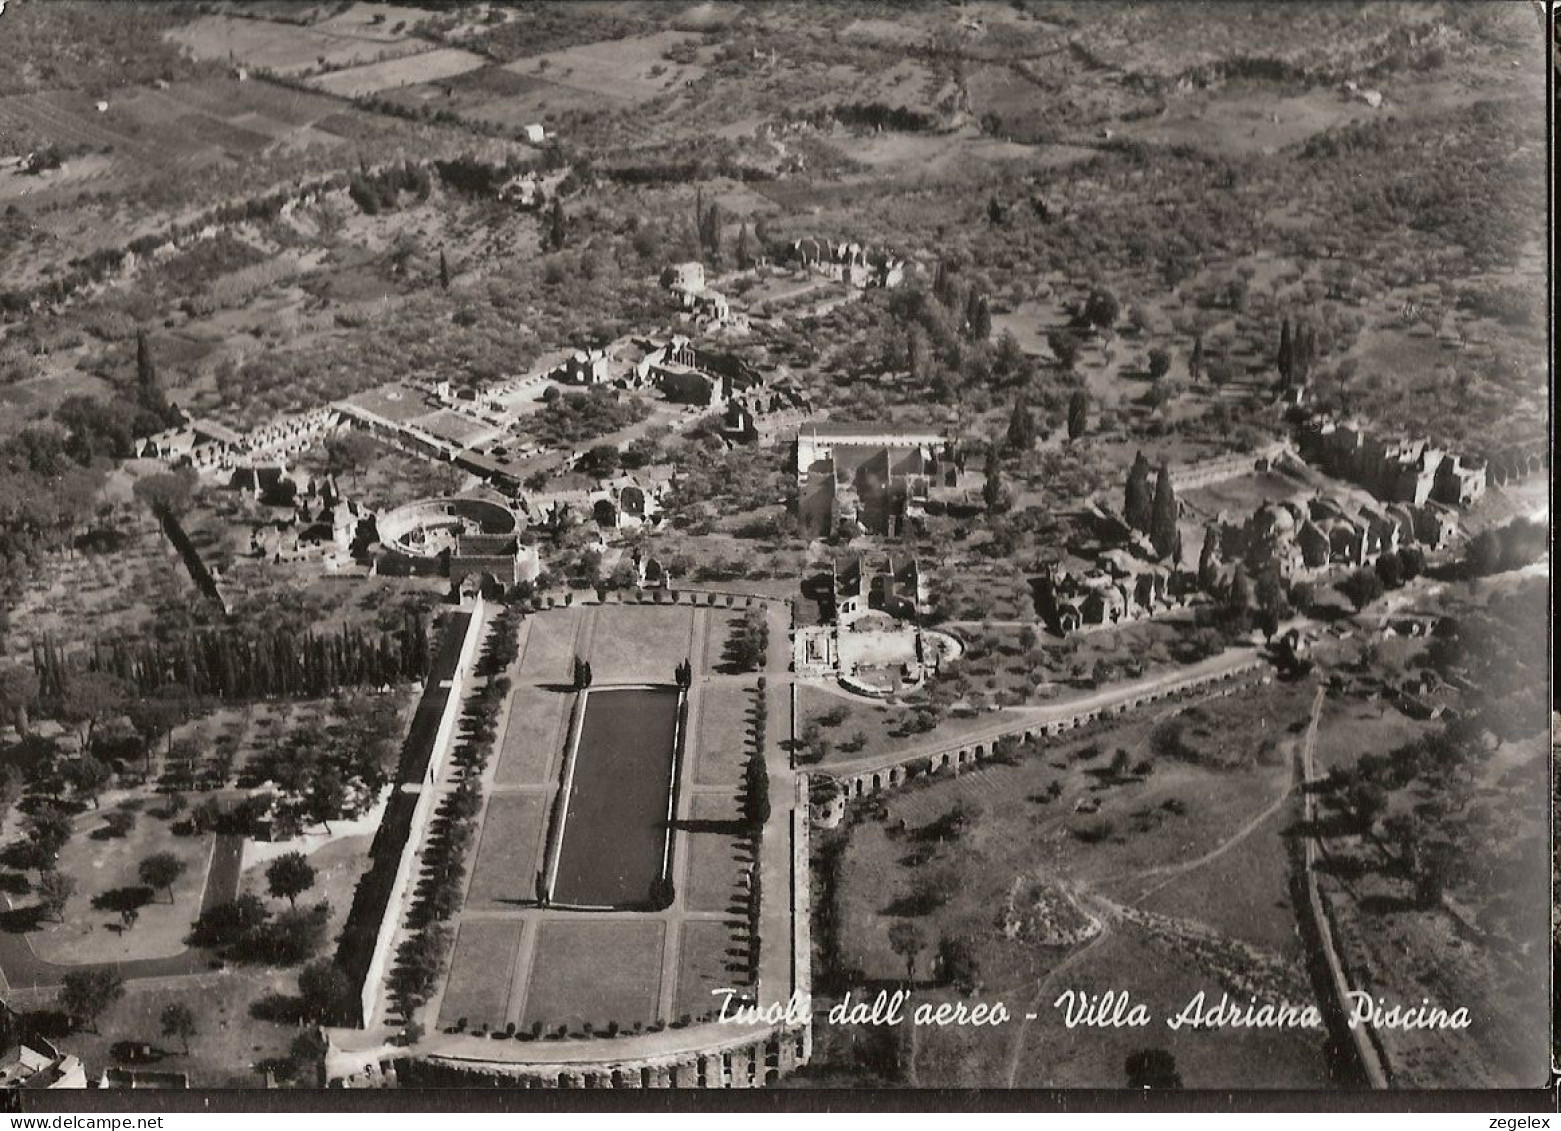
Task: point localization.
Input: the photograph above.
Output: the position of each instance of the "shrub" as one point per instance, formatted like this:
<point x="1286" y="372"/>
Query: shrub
<point x="1093" y="832"/>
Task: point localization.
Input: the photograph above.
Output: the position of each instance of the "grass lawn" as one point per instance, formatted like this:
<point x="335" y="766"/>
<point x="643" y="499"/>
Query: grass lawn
<point x="338" y="866"/>
<point x="229" y="1040"/>
<point x="715" y="859"/>
<point x="550" y="646"/>
<point x="480" y="973"/>
<point x="722" y="622"/>
<point x="509" y="850"/>
<point x="723" y="731"/>
<point x="1350" y="728"/>
<point x="636" y="643"/>
<point x="105" y="872"/>
<point x="534" y="737"/>
<point x="1055" y="1056"/>
<point x="1177" y="813"/>
<point x="1244" y="894"/>
<point x="709" y="958"/>
<point x="595" y="971"/>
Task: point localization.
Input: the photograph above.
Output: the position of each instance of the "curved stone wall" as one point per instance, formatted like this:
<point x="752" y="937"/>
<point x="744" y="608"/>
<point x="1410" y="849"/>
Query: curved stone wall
<point x="489" y="516"/>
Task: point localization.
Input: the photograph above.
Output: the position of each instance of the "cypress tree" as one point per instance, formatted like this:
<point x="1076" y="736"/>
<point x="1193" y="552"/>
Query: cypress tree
<point x="1137" y="503"/>
<point x="556" y="233"/>
<point x="993" y="491"/>
<point x="1078" y="414"/>
<point x="1285" y="362"/>
<point x="1238" y="598"/>
<point x="1208" y="560"/>
<point x="943" y="285"/>
<point x="1305" y="352"/>
<point x="1021" y="426"/>
<point x="444" y="270"/>
<point x="978" y="317"/>
<point x="1162" y="526"/>
<point x="744" y="253"/>
<point x="146" y="370"/>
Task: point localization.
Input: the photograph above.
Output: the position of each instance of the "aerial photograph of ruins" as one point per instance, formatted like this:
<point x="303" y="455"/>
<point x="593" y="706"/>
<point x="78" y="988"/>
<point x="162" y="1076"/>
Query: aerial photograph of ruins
<point x="799" y="545"/>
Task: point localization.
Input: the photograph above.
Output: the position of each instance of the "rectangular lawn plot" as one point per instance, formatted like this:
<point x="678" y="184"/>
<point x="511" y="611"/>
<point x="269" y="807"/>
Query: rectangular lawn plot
<point x="481" y="972"/>
<point x="533" y="737"/>
<point x="509" y="851"/>
<point x="632" y="643"/>
<point x="704" y="964"/>
<point x="614" y="845"/>
<point x="722" y="732"/>
<point x="597" y="971"/>
<point x="550" y="646"/>
<point x="716" y="855"/>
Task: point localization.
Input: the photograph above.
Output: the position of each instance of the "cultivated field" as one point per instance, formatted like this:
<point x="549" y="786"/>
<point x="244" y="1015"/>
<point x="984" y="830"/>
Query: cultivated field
<point x="371" y="78"/>
<point x="286" y="48"/>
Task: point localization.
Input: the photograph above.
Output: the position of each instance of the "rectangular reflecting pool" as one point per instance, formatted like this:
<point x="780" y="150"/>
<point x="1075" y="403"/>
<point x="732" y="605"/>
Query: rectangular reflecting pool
<point x="616" y="831"/>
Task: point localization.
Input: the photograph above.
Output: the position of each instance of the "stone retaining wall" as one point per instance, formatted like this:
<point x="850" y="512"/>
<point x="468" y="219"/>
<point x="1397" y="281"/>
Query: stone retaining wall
<point x="746" y="1062"/>
<point x="1205" y="473"/>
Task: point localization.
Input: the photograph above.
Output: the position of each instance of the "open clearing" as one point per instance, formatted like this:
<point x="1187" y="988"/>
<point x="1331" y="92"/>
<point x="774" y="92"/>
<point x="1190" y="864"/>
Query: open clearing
<point x="626" y="71"/>
<point x="428" y="66"/>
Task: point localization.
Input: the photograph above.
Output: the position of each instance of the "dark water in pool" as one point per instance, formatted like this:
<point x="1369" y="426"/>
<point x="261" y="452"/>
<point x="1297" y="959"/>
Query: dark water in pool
<point x="615" y="830"/>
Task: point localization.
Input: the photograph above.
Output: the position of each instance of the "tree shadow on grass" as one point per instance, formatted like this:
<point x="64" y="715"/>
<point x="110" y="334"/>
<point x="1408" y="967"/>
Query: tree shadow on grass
<point x="15" y="883"/>
<point x="21" y="920"/>
<point x="910" y="906"/>
<point x="279" y="1008"/>
<point x="131" y="898"/>
<point x="734" y="827"/>
<point x="1387" y="904"/>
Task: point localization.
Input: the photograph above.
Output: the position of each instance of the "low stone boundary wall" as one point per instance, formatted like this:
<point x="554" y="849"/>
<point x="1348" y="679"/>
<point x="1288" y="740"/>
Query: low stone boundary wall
<point x="1363" y="1038"/>
<point x="895" y="774"/>
<point x="1317" y="927"/>
<point x="1206" y="473"/>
